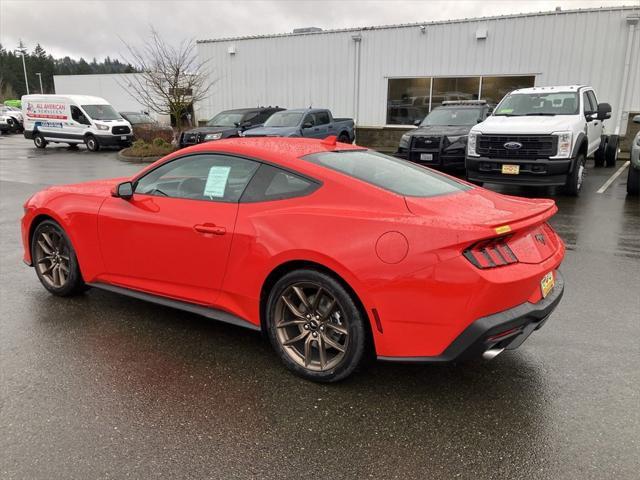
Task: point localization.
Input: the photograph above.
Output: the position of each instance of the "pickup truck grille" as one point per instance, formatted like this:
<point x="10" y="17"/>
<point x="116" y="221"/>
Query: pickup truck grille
<point x="533" y="146"/>
<point x="426" y="143"/>
<point x="120" y="130"/>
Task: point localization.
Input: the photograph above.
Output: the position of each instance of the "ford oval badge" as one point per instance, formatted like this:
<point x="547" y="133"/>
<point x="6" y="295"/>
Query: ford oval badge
<point x="513" y="145"/>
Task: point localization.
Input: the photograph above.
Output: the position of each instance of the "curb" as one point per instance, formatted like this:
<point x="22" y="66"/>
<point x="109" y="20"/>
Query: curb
<point x="126" y="158"/>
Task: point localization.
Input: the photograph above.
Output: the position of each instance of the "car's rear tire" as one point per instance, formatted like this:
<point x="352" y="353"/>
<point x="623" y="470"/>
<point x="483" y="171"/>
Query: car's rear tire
<point x="55" y="261"/>
<point x="611" y="151"/>
<point x="315" y="326"/>
<point x="92" y="143"/>
<point x="344" y="138"/>
<point x="598" y="156"/>
<point x="576" y="177"/>
<point x="39" y="141"/>
<point x="633" y="181"/>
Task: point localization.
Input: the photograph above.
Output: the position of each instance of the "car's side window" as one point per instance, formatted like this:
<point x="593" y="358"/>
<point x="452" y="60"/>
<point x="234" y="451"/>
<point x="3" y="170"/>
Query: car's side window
<point x="309" y="119"/>
<point x="262" y="117"/>
<point x="212" y="177"/>
<point x="586" y="100"/>
<point x="76" y="114"/>
<point x="322" y="118"/>
<point x="592" y="97"/>
<point x="272" y="183"/>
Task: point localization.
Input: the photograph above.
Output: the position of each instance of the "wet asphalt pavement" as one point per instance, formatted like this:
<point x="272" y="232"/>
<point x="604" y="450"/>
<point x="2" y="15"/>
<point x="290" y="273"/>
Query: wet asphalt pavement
<point x="104" y="386"/>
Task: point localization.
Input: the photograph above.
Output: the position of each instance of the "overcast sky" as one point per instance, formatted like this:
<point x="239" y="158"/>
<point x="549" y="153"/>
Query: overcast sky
<point x="90" y="28"/>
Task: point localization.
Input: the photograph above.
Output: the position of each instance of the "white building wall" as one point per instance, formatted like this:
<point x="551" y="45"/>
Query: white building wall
<point x="583" y="47"/>
<point x="107" y="86"/>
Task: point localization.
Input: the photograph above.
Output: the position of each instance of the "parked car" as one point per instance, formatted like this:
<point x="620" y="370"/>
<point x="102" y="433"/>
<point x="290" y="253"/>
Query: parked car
<point x="441" y="137"/>
<point x="227" y="124"/>
<point x="4" y="124"/>
<point x="331" y="249"/>
<point x="74" y="119"/>
<point x="13" y="119"/>
<point x="146" y="128"/>
<point x="541" y="136"/>
<point x="306" y="122"/>
<point x="633" y="177"/>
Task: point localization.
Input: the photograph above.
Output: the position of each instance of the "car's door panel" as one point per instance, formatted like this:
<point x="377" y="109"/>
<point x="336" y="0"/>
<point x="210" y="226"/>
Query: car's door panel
<point x="167" y="245"/>
<point x="174" y="235"/>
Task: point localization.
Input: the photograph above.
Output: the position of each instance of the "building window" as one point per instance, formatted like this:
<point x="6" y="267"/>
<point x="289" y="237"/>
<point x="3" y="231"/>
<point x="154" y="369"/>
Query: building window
<point x="460" y="88"/>
<point x="407" y="100"/>
<point x="411" y="99"/>
<point x="495" y="88"/>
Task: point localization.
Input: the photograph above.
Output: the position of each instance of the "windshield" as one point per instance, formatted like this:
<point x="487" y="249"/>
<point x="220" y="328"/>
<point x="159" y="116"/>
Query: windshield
<point x="226" y="119"/>
<point x="138" y="118"/>
<point x="101" y="112"/>
<point x="520" y="104"/>
<point x="399" y="176"/>
<point x="452" y="117"/>
<point x="284" y="119"/>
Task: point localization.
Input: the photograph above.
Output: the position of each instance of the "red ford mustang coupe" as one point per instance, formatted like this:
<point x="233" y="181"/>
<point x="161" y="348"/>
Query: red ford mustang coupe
<point x="332" y="250"/>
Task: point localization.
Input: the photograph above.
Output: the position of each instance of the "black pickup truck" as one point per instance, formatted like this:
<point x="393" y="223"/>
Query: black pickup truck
<point x="441" y="138"/>
<point x="227" y="124"/>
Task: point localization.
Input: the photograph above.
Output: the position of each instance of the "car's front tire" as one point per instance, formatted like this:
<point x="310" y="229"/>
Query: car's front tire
<point x="611" y="151"/>
<point x="576" y="177"/>
<point x="315" y="326"/>
<point x="92" y="143"/>
<point x="55" y="261"/>
<point x="599" y="155"/>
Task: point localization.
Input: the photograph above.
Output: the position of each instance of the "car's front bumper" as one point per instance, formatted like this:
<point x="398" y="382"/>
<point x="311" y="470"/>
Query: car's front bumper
<point x="115" y="140"/>
<point x="503" y="330"/>
<point x="539" y="172"/>
<point x="439" y="159"/>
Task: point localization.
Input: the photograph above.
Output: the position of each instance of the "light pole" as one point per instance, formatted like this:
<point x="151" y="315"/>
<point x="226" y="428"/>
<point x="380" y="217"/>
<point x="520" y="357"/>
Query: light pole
<point x="24" y="66"/>
<point x="40" y="77"/>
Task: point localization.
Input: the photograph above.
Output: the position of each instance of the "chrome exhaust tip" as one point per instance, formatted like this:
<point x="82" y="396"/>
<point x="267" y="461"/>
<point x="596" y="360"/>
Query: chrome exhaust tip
<point x="492" y="353"/>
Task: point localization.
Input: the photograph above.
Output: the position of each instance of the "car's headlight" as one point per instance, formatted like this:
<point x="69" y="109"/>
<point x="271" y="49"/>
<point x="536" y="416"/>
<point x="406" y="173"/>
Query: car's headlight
<point x="472" y="141"/>
<point x="405" y="140"/>
<point x="212" y="136"/>
<point x="102" y="127"/>
<point x="564" y="144"/>
<point x="457" y="138"/>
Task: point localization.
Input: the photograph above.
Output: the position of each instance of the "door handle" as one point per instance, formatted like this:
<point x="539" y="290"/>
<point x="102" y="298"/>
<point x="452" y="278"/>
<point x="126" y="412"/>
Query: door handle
<point x="210" y="228"/>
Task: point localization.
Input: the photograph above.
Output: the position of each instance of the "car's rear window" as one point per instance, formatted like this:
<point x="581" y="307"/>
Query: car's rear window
<point x="398" y="176"/>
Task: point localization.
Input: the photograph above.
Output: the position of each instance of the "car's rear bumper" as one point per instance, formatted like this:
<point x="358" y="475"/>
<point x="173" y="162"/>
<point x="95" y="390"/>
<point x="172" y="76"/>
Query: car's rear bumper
<point x="503" y="330"/>
<point x="540" y="172"/>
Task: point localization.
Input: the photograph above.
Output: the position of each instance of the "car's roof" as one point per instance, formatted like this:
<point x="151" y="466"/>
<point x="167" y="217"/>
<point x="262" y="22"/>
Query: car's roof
<point x="283" y="151"/>
<point x="256" y="109"/>
<point x="306" y="110"/>
<point x="552" y="89"/>
<point x="81" y="99"/>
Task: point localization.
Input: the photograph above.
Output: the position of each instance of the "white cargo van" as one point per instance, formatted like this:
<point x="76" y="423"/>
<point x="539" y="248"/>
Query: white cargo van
<point x="74" y="119"/>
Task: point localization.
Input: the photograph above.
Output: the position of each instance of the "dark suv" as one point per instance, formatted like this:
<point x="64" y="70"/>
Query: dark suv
<point x="227" y="124"/>
<point x="441" y="138"/>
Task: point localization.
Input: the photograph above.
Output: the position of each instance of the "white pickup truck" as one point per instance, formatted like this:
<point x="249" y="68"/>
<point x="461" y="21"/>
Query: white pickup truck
<point x="541" y="136"/>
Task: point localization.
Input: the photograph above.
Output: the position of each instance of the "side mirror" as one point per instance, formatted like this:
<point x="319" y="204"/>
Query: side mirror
<point x="417" y="122"/>
<point x="604" y="111"/>
<point x="123" y="190"/>
<point x="307" y="125"/>
<point x="636" y="119"/>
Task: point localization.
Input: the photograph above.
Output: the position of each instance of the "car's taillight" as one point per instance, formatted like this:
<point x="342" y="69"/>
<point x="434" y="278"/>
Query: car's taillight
<point x="491" y="253"/>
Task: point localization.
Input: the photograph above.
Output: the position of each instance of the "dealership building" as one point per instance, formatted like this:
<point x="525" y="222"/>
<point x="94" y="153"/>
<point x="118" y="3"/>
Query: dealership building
<point x="387" y="77"/>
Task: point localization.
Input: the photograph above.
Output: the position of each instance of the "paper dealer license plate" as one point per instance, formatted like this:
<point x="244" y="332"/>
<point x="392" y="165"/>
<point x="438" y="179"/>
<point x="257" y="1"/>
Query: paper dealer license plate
<point x="426" y="157"/>
<point x="510" y="169"/>
<point x="547" y="283"/>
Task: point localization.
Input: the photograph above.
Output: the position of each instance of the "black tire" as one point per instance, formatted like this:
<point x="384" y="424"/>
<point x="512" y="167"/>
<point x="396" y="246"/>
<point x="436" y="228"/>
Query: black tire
<point x="13" y="125"/>
<point x="598" y="156"/>
<point x="71" y="282"/>
<point x="344" y="138"/>
<point x="39" y="141"/>
<point x="345" y="312"/>
<point x="611" y="151"/>
<point x="633" y="181"/>
<point x="92" y="143"/>
<point x="576" y="177"/>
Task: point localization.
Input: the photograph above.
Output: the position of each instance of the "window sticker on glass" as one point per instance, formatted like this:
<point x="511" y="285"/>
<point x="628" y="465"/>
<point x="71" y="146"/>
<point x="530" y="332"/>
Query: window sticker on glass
<point x="217" y="182"/>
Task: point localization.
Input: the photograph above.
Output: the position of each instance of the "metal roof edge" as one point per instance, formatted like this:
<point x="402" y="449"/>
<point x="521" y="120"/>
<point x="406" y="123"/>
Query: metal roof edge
<point x="418" y="24"/>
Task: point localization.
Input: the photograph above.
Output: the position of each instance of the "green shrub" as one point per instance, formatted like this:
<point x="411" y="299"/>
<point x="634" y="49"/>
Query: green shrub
<point x="140" y="148"/>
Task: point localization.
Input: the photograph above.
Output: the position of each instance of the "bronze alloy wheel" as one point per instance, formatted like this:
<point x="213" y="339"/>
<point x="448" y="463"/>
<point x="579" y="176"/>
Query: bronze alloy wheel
<point x="52" y="257"/>
<point x="311" y="326"/>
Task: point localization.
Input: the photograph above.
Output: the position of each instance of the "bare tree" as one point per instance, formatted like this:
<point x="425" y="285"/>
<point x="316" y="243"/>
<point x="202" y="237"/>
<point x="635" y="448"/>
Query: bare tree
<point x="170" y="79"/>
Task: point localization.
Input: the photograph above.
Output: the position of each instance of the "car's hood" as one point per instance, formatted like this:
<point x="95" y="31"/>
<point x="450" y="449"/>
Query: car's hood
<point x="271" y="131"/>
<point x="482" y="208"/>
<point x="100" y="188"/>
<point x="523" y="125"/>
<point x="206" y="130"/>
<point x="442" y="130"/>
